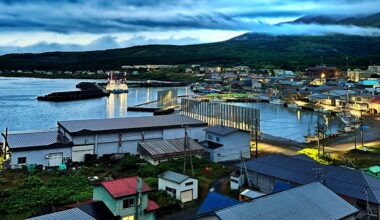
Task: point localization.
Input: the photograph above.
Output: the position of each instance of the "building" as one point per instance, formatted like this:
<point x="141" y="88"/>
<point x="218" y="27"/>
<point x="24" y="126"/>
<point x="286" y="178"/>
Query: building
<point x="354" y="186"/>
<point x="156" y="151"/>
<point x="71" y="214"/>
<point x="74" y="139"/>
<point x="179" y="186"/>
<point x="311" y="201"/>
<point x="214" y="202"/>
<point x="374" y="105"/>
<point x="322" y="72"/>
<point x="127" y="198"/>
<point x="226" y="143"/>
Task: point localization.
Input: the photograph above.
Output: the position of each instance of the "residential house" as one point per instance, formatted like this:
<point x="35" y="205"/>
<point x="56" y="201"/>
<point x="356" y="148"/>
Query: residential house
<point x="312" y="201"/>
<point x="127" y="198"/>
<point x="226" y="143"/>
<point x="179" y="186"/>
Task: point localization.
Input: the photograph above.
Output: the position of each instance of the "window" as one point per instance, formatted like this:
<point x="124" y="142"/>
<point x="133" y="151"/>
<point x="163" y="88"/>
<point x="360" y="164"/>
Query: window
<point x="131" y="217"/>
<point x="217" y="139"/>
<point x="127" y="203"/>
<point x="209" y="137"/>
<point x="21" y="160"/>
<point x="189" y="184"/>
<point x="171" y="191"/>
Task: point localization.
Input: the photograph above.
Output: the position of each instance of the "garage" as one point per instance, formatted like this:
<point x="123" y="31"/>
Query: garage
<point x="55" y="159"/>
<point x="78" y="152"/>
<point x="187" y="195"/>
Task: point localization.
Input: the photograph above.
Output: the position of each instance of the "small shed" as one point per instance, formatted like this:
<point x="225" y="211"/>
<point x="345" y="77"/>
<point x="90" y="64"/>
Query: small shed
<point x="156" y="151"/>
<point x="374" y="171"/>
<point x="182" y="187"/>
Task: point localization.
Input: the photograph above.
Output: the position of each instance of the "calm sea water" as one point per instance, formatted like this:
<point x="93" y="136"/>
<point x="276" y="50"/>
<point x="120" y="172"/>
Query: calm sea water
<point x="19" y="109"/>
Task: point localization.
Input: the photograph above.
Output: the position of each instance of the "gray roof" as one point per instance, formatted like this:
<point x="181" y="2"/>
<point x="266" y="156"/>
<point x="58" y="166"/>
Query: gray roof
<point x="221" y="130"/>
<point x="173" y="176"/>
<point x="128" y="124"/>
<point x="70" y="214"/>
<point x="311" y="201"/>
<point x="168" y="148"/>
<point x="29" y="140"/>
<point x="340" y="180"/>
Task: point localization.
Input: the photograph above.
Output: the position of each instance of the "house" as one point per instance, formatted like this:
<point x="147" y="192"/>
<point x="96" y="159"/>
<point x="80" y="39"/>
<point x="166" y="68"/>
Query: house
<point x="74" y="139"/>
<point x="311" y="201"/>
<point x="127" y="198"/>
<point x="354" y="186"/>
<point x="156" y="151"/>
<point x="214" y="202"/>
<point x="226" y="143"/>
<point x="182" y="187"/>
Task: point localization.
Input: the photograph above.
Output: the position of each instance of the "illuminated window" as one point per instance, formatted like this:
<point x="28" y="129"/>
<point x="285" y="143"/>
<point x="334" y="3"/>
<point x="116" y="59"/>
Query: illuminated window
<point x="127" y="203"/>
<point x="131" y="217"/>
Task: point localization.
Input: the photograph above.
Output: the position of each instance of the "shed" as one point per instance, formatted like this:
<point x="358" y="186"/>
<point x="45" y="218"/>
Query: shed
<point x="182" y="187"/>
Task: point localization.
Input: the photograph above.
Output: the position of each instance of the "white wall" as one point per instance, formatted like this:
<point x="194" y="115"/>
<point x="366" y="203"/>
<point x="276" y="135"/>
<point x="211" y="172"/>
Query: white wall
<point x="163" y="183"/>
<point x="38" y="156"/>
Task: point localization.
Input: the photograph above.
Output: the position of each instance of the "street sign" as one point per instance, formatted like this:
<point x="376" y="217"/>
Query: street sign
<point x="364" y="127"/>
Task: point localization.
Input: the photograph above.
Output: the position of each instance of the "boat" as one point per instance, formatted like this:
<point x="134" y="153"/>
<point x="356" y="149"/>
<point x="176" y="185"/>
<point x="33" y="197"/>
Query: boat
<point x="322" y="110"/>
<point x="294" y="105"/>
<point x="117" y="86"/>
<point x="348" y="119"/>
<point x="276" y="101"/>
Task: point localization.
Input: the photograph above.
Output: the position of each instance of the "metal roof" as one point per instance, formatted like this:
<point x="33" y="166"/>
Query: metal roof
<point x="173" y="176"/>
<point x="158" y="149"/>
<point x="311" y="201"/>
<point x="343" y="181"/>
<point x="213" y="202"/>
<point x="70" y="214"/>
<point x="37" y="139"/>
<point x="124" y="187"/>
<point x="128" y="124"/>
<point x="221" y="130"/>
<point x="251" y="194"/>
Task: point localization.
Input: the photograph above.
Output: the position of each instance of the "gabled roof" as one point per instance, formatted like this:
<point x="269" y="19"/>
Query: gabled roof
<point x="311" y="201"/>
<point x="124" y="187"/>
<point x="70" y="214"/>
<point x="173" y="176"/>
<point x="213" y="202"/>
<point x="91" y="126"/>
<point x="152" y="206"/>
<point x="340" y="180"/>
<point x="221" y="130"/>
<point x="36" y="140"/>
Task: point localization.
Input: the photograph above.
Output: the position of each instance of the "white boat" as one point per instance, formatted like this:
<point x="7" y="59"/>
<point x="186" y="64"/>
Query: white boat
<point x="294" y="105"/>
<point x="348" y="119"/>
<point x="115" y="85"/>
<point x="276" y="102"/>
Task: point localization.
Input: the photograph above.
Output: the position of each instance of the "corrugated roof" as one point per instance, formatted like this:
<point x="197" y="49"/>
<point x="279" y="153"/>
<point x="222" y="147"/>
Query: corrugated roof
<point x="124" y="187"/>
<point x="173" y="176"/>
<point x="70" y="214"/>
<point x="36" y="139"/>
<point x="221" y="130"/>
<point x="342" y="181"/>
<point x="213" y="202"/>
<point x="311" y="201"/>
<point x="251" y="194"/>
<point x="168" y="148"/>
<point x="129" y="124"/>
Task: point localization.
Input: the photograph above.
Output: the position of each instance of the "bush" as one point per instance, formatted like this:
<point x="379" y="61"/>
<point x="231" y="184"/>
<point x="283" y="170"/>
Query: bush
<point x="147" y="170"/>
<point x="151" y="181"/>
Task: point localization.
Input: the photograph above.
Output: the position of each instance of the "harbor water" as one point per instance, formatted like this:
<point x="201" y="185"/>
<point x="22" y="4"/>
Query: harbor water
<point x="20" y="110"/>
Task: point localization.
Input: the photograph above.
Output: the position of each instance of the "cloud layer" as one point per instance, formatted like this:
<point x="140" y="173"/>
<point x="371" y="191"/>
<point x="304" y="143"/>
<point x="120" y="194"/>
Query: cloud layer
<point x="104" y="21"/>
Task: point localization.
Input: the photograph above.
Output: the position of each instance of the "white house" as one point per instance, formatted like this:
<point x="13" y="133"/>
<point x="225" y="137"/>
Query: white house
<point x="226" y="143"/>
<point x="182" y="187"/>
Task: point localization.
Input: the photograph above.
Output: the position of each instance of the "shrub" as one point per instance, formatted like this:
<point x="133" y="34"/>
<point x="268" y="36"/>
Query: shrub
<point x="147" y="170"/>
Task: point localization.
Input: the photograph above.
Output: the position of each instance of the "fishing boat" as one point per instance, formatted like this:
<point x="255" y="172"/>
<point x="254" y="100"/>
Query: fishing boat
<point x="294" y="105"/>
<point x="276" y="101"/>
<point x="117" y="85"/>
<point x="348" y="119"/>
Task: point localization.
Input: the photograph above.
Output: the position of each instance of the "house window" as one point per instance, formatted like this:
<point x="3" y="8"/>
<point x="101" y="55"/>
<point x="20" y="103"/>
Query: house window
<point x="209" y="137"/>
<point x="189" y="184"/>
<point x="217" y="139"/>
<point x="131" y="217"/>
<point x="21" y="160"/>
<point x="171" y="191"/>
<point x="127" y="203"/>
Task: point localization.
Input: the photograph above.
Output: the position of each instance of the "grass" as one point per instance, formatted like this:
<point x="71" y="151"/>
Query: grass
<point x="313" y="153"/>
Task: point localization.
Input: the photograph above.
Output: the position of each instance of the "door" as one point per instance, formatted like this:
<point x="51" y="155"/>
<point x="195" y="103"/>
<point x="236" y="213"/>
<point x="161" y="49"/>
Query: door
<point x="78" y="152"/>
<point x="55" y="159"/>
<point x="187" y="195"/>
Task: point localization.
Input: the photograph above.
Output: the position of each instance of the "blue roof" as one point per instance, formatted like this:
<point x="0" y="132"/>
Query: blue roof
<point x="213" y="202"/>
<point x="279" y="186"/>
<point x="343" y="181"/>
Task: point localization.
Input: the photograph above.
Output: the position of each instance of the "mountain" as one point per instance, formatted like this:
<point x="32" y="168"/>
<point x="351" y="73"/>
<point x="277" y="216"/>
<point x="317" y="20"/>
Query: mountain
<point x="256" y="50"/>
<point x="372" y="20"/>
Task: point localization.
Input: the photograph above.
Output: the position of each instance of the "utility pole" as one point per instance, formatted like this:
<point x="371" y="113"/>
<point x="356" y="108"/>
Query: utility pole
<point x="256" y="139"/>
<point x="361" y="127"/>
<point x="318" y="130"/>
<point x="139" y="212"/>
<point x="186" y="146"/>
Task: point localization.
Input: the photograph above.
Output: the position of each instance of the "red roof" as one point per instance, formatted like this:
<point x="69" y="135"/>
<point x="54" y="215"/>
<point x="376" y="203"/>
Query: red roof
<point x="124" y="187"/>
<point x="151" y="206"/>
<point x="376" y="100"/>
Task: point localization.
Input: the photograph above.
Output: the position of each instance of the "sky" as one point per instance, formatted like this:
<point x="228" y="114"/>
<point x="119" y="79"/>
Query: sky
<point x="79" y="25"/>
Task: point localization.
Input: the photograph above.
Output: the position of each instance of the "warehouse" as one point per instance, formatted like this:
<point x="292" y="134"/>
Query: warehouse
<point x="74" y="139"/>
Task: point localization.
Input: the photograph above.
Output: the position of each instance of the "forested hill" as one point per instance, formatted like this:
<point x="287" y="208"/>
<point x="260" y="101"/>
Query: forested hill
<point x="256" y="50"/>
